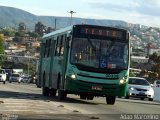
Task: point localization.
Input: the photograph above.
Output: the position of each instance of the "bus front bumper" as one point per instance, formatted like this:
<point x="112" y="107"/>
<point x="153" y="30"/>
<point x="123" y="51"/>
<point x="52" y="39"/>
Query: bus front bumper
<point x="96" y="89"/>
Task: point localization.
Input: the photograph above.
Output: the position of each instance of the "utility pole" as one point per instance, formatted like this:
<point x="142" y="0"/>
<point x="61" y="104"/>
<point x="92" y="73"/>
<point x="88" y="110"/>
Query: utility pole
<point x="55" y="22"/>
<point x="28" y="65"/>
<point x="71" y="12"/>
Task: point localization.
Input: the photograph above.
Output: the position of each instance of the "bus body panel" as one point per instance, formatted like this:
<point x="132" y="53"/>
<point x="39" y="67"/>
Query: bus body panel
<point x="86" y="81"/>
<point x="55" y="71"/>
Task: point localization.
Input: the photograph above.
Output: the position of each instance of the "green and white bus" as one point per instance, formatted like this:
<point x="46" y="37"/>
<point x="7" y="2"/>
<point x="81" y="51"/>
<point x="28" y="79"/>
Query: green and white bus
<point x="86" y="60"/>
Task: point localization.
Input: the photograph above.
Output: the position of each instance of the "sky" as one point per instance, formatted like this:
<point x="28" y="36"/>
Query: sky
<point x="145" y="12"/>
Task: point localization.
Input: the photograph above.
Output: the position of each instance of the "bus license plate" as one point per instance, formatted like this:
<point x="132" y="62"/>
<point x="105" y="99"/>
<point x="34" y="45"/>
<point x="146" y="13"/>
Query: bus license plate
<point x="96" y="88"/>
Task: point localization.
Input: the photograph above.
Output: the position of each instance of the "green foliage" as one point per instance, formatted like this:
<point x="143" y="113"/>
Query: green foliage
<point x="155" y="58"/>
<point x="1" y="46"/>
<point x="19" y="34"/>
<point x="1" y="50"/>
<point x="31" y="68"/>
<point x="8" y="32"/>
<point x="155" y="68"/>
<point x="131" y="74"/>
<point x="153" y="76"/>
<point x="138" y="50"/>
<point x="34" y="34"/>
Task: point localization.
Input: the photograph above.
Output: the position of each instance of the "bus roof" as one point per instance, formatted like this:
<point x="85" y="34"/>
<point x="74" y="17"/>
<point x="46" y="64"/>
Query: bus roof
<point x="65" y="29"/>
<point x="57" y="31"/>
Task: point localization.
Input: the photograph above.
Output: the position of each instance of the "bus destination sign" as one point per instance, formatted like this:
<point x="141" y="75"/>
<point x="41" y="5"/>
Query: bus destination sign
<point x="102" y="32"/>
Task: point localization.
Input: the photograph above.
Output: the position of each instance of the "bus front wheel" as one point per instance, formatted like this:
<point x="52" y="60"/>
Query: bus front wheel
<point x="62" y="95"/>
<point x="90" y="97"/>
<point x="83" y="96"/>
<point x="110" y="99"/>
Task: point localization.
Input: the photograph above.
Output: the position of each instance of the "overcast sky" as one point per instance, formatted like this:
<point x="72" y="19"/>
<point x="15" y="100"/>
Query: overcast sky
<point x="145" y="12"/>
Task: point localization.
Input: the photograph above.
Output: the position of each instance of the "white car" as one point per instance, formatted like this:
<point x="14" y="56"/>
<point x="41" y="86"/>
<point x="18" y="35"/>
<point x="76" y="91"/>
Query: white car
<point x="139" y="88"/>
<point x="15" y="77"/>
<point x="3" y="76"/>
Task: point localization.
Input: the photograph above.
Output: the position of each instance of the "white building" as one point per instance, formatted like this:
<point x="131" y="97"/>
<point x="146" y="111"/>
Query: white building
<point x="139" y="59"/>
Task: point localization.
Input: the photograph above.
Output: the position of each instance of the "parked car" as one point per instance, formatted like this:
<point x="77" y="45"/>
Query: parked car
<point x="139" y="88"/>
<point x="3" y="76"/>
<point x="156" y="83"/>
<point x="8" y="73"/>
<point x="15" y="77"/>
<point x="26" y="79"/>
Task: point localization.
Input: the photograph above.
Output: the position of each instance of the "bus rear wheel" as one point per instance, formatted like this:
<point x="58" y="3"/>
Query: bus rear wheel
<point x="45" y="91"/>
<point x="53" y="92"/>
<point x="110" y="99"/>
<point x="62" y="95"/>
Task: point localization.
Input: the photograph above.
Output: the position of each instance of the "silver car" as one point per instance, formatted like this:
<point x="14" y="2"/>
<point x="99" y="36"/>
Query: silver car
<point x="140" y="88"/>
<point x="15" y="77"/>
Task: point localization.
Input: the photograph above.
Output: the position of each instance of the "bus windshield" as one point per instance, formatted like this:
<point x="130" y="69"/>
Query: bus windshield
<point x="99" y="53"/>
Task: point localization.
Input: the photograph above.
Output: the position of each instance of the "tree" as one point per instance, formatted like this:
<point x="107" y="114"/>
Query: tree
<point x="131" y="74"/>
<point x="34" y="35"/>
<point x="1" y="50"/>
<point x="8" y="32"/>
<point x="154" y="60"/>
<point x="40" y="28"/>
<point x="22" y="27"/>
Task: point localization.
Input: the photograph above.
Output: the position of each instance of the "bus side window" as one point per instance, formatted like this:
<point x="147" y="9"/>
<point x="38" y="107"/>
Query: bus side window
<point x="63" y="40"/>
<point x="57" y="46"/>
<point x="49" y="47"/>
<point x="45" y="48"/>
<point x="60" y="46"/>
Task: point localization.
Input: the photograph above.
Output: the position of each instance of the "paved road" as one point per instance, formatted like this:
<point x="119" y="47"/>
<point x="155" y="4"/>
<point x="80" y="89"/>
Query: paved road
<point x="25" y="101"/>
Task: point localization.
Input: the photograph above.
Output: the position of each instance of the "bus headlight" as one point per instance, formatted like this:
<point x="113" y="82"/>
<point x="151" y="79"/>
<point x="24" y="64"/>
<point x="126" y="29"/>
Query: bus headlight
<point x="73" y="76"/>
<point x="122" y="81"/>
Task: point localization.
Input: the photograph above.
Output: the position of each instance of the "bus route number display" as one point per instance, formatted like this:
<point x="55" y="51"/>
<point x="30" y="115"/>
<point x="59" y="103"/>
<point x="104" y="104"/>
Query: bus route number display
<point x="102" y="32"/>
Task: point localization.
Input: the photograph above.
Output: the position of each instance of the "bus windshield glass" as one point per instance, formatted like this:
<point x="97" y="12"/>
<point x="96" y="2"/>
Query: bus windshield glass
<point x="100" y="53"/>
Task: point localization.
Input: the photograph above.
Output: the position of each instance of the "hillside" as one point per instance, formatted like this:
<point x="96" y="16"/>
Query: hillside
<point x="11" y="17"/>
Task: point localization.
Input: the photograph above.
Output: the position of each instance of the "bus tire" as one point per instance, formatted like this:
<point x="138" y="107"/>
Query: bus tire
<point x="127" y="97"/>
<point x="53" y="92"/>
<point x="110" y="100"/>
<point x="45" y="91"/>
<point x="150" y="99"/>
<point x="90" y="97"/>
<point x="62" y="95"/>
<point x="82" y="96"/>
